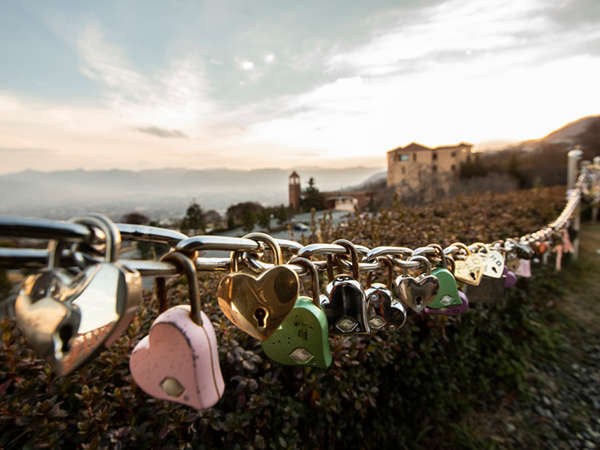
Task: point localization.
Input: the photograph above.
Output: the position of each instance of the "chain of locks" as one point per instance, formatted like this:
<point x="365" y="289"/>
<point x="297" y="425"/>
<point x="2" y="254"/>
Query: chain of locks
<point x="84" y="296"/>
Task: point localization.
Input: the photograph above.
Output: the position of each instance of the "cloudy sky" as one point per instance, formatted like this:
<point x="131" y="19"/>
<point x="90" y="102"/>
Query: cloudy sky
<point x="249" y="84"/>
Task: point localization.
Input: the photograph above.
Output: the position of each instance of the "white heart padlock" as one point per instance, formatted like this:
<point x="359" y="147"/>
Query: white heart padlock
<point x="178" y="360"/>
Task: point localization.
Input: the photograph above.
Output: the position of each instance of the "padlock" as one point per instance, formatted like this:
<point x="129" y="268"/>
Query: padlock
<point x="510" y="279"/>
<point x="448" y="291"/>
<point x="178" y="361"/>
<point x="470" y="268"/>
<point x="346" y="303"/>
<point x="494" y="262"/>
<point x="69" y="317"/>
<point x="452" y="310"/>
<point x="524" y="269"/>
<point x="490" y="290"/>
<point x="258" y="305"/>
<point x="523" y="250"/>
<point x="416" y="292"/>
<point x="382" y="308"/>
<point x="302" y="338"/>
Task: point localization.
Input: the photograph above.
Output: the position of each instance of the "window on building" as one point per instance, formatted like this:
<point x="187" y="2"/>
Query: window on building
<point x="403" y="170"/>
<point x="434" y="168"/>
<point x="453" y="167"/>
<point x="404" y="157"/>
<point x="434" y="156"/>
<point x="454" y="154"/>
<point x="414" y="156"/>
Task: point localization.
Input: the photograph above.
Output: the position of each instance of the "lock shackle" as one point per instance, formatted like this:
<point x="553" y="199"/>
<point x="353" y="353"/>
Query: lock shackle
<point x="188" y="268"/>
<point x="423" y="262"/>
<point x="112" y="239"/>
<point x="271" y="242"/>
<point x="311" y="269"/>
<point x="439" y="251"/>
<point x="386" y="261"/>
<point x="351" y="250"/>
<point x="460" y="247"/>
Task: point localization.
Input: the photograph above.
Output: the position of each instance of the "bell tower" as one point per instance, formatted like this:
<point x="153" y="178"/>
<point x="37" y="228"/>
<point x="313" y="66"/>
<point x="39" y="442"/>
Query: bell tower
<point x="294" y="190"/>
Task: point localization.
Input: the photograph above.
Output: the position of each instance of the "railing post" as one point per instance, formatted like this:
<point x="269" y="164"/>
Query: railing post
<point x="595" y="205"/>
<point x="573" y="159"/>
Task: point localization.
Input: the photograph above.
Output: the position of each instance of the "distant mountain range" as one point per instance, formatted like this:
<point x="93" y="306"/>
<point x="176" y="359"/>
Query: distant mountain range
<point x="160" y="194"/>
<point x="166" y="193"/>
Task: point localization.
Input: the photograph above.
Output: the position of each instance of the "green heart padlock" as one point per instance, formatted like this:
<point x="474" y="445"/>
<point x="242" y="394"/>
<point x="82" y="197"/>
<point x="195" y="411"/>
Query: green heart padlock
<point x="302" y="338"/>
<point x="448" y="291"/>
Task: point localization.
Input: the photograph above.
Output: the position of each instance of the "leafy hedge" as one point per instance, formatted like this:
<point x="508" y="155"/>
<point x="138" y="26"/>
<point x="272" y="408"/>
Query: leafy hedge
<point x="404" y="388"/>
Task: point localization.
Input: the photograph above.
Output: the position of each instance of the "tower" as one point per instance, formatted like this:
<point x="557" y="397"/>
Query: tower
<point x="294" y="190"/>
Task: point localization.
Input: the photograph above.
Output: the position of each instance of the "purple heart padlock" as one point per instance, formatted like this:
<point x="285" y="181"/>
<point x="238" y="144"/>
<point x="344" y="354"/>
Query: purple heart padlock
<point x="510" y="279"/>
<point x="454" y="310"/>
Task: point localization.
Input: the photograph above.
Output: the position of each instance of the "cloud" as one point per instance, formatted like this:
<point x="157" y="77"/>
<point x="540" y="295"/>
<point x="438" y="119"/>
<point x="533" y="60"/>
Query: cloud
<point x="162" y="132"/>
<point x="269" y="58"/>
<point x="176" y="96"/>
<point x="247" y="65"/>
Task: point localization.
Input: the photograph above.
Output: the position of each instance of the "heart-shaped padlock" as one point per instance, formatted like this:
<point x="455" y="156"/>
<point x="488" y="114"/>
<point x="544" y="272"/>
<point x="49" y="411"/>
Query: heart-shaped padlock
<point x="452" y="310"/>
<point x="470" y="268"/>
<point x="178" y="360"/>
<point x="382" y="308"/>
<point x="447" y="294"/>
<point x="346" y="303"/>
<point x="258" y="305"/>
<point x="302" y="338"/>
<point x="68" y="318"/>
<point x="524" y="269"/>
<point x="416" y="292"/>
<point x="510" y="279"/>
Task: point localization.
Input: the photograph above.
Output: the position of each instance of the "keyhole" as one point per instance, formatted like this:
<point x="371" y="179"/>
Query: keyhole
<point x="473" y="275"/>
<point x="260" y="315"/>
<point x="419" y="300"/>
<point x="65" y="333"/>
<point x="494" y="269"/>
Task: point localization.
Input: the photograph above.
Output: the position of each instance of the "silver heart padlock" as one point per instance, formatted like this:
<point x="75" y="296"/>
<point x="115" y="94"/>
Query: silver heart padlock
<point x="346" y="304"/>
<point x="178" y="360"/>
<point x="383" y="309"/>
<point x="68" y="316"/>
<point x="416" y="292"/>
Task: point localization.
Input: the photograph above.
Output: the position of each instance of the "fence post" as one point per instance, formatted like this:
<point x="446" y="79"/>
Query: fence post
<point x="595" y="205"/>
<point x="573" y="159"/>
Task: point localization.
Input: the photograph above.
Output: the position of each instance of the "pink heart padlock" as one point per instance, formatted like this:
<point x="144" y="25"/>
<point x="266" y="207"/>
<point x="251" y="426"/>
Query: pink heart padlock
<point x="524" y="269"/>
<point x="178" y="360"/>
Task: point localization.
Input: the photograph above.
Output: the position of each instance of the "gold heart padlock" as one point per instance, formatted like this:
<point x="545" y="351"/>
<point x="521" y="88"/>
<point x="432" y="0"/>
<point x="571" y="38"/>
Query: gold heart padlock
<point x="468" y="270"/>
<point x="258" y="305"/>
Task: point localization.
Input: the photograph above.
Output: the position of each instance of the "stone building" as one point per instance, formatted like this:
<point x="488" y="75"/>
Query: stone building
<point x="417" y="168"/>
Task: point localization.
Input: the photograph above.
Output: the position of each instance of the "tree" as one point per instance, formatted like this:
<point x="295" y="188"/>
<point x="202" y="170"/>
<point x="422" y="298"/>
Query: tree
<point x="193" y="221"/>
<point x="239" y="213"/>
<point x="213" y="218"/>
<point x="248" y="220"/>
<point x="311" y="197"/>
<point x="264" y="219"/>
<point x="135" y="218"/>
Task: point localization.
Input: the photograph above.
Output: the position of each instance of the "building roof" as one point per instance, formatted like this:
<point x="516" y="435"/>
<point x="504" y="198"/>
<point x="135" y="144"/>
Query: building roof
<point x="414" y="147"/>
<point x="294" y="174"/>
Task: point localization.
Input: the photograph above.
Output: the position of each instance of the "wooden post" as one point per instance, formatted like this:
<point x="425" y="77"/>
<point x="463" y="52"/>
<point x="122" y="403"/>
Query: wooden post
<point x="573" y="164"/>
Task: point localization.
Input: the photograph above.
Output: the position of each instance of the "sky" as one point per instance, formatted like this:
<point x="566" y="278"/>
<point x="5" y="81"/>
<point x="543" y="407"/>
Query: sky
<point x="242" y="85"/>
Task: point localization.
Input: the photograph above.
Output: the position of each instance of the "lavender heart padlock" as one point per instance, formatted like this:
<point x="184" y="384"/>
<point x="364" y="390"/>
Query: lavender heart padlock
<point x="510" y="279"/>
<point x="178" y="360"/>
